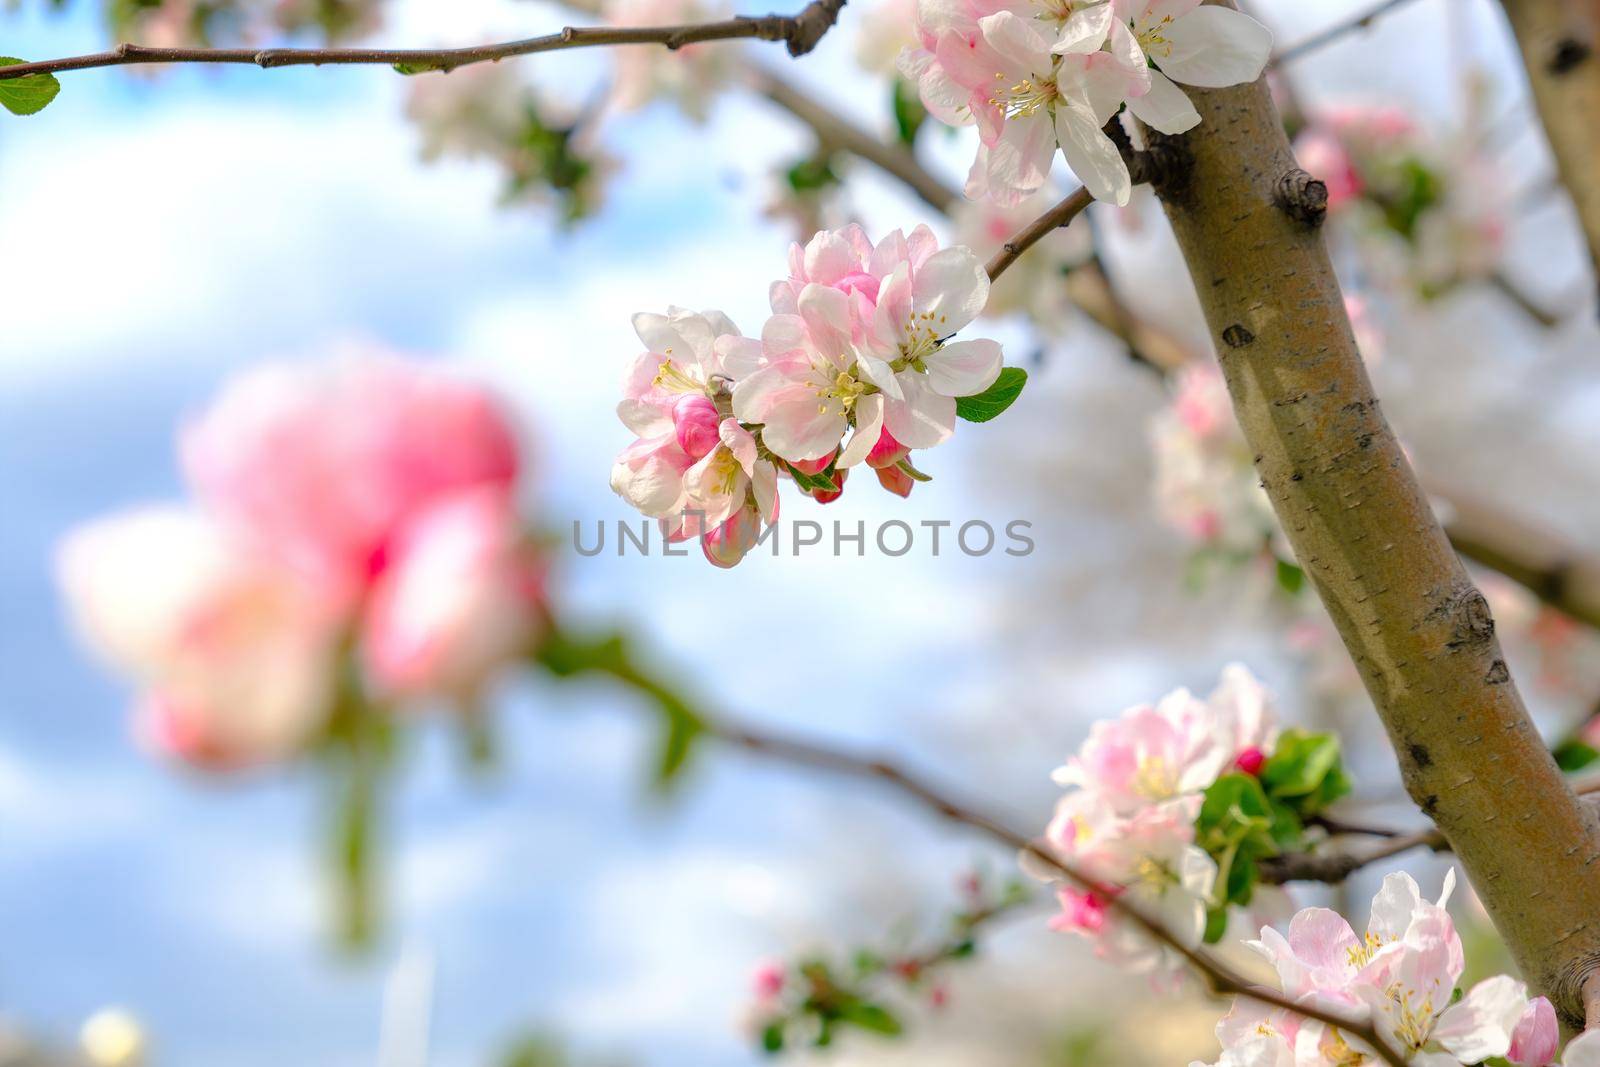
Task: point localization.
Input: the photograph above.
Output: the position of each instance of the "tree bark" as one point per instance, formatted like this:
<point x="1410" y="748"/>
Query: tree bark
<point x="1560" y="44"/>
<point x="1247" y="220"/>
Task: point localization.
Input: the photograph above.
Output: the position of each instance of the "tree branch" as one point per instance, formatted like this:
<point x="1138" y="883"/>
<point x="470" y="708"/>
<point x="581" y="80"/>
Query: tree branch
<point x="1360" y="21"/>
<point x="1558" y="40"/>
<point x="800" y="33"/>
<point x="1359" y="521"/>
<point x="834" y="131"/>
<point x="567" y="655"/>
<point x="1037" y="230"/>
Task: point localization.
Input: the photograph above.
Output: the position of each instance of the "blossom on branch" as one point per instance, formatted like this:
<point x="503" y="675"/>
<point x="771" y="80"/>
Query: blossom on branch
<point x="857" y="364"/>
<point x="1171" y="806"/>
<point x="1042" y="74"/>
<point x="1401" y="975"/>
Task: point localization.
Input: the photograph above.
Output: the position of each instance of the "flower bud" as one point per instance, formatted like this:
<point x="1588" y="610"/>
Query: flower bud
<point x="822" y="496"/>
<point x="695" y="419"/>
<point x="728" y="544"/>
<point x="887" y="452"/>
<point x="859" y="282"/>
<point x="1251" y="760"/>
<point x="896" y="481"/>
<point x="814" y="466"/>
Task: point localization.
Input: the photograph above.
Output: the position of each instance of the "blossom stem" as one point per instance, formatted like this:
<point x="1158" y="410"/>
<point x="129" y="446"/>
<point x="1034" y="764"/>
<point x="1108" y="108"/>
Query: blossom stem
<point x="801" y="32"/>
<point x="1037" y="230"/>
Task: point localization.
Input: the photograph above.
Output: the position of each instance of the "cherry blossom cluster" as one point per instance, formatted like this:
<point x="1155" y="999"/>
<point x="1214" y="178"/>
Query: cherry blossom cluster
<point x="1401" y="975"/>
<point x="1042" y="74"/>
<point x="854" y="365"/>
<point x="1428" y="209"/>
<point x="1172" y="804"/>
<point x="356" y="516"/>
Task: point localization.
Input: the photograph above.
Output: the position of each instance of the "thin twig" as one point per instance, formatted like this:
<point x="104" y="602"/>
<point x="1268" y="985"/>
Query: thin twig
<point x="1037" y="230"/>
<point x="800" y="32"/>
<point x="833" y="131"/>
<point x="1222" y="979"/>
<point x="1360" y="21"/>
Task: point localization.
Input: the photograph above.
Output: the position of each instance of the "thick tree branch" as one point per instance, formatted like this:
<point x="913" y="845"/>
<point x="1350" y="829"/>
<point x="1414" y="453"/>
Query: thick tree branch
<point x="1061" y="215"/>
<point x="1558" y="40"/>
<point x="1360" y="525"/>
<point x="799" y="32"/>
<point x="1339" y="30"/>
<point x="567" y="655"/>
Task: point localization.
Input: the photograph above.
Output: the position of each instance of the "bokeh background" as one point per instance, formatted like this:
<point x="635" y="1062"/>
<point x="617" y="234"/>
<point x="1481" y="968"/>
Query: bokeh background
<point x="158" y="233"/>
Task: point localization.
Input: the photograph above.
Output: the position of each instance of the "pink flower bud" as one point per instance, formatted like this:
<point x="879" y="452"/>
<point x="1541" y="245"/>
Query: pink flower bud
<point x="896" y="481"/>
<point x="1533" y="1042"/>
<point x="729" y="543"/>
<point x="938" y="997"/>
<point x="822" y="496"/>
<point x="887" y="452"/>
<point x="1080" y="911"/>
<point x="1250" y="761"/>
<point x="814" y="466"/>
<point x="768" y="980"/>
<point x="695" y="419"/>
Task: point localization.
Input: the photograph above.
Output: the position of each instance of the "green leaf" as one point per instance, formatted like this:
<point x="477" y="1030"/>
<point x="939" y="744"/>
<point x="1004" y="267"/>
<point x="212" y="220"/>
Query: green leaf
<point x="408" y="68"/>
<point x="909" y="114"/>
<point x="29" y="95"/>
<point x="772" y="1037"/>
<point x="995" y="399"/>
<point x="820" y="481"/>
<point x="871" y="1017"/>
<point x="1291" y="579"/>
<point x="682" y="730"/>
<point x="812" y="174"/>
<point x="1300" y="764"/>
<point x="1575" y="756"/>
<point x="1216" y="924"/>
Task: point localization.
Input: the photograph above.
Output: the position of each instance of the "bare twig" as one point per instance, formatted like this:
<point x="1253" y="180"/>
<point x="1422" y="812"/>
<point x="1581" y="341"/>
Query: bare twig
<point x="1037" y="230"/>
<point x="834" y="131"/>
<point x="1220" y="978"/>
<point x="1359" y="21"/>
<point x="800" y="32"/>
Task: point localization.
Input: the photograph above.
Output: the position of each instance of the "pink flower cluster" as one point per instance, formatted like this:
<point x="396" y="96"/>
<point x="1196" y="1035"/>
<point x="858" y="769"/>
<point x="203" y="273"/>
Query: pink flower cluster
<point x="1037" y="74"/>
<point x="858" y="344"/>
<point x="1401" y="975"/>
<point x="1129" y="822"/>
<point x="1432" y="209"/>
<point x="364" y="506"/>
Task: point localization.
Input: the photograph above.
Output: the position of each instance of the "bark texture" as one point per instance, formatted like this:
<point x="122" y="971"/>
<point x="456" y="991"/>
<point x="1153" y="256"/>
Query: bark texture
<point x="1560" y="44"/>
<point x="1421" y="634"/>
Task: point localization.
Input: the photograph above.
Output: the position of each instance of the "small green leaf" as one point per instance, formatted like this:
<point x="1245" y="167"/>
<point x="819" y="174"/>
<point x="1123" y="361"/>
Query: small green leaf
<point x="682" y="730"/>
<point x="1300" y="764"/>
<point x="1216" y="924"/>
<point x="772" y="1037"/>
<point x="995" y="399"/>
<point x="909" y="114"/>
<point x="1291" y="579"/>
<point x="871" y="1017"/>
<point x="812" y="174"/>
<point x="28" y="95"/>
<point x="410" y="67"/>
<point x="820" y="481"/>
<point x="912" y="472"/>
<point x="1575" y="756"/>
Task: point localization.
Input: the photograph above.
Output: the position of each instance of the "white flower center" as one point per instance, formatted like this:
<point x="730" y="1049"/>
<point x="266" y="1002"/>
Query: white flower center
<point x="830" y="384"/>
<point x="674" y="379"/>
<point x="1025" y="97"/>
<point x="1153" y="40"/>
<point x="920" y="337"/>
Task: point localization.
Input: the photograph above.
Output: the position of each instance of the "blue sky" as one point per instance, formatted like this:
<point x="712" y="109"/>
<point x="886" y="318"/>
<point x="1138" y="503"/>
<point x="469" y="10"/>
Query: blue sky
<point x="159" y="235"/>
